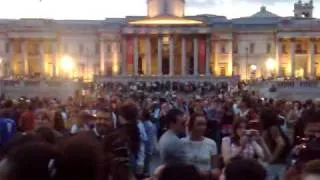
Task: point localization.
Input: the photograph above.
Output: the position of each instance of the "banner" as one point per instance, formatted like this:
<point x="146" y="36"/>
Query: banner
<point x="202" y="55"/>
<point x="129" y="51"/>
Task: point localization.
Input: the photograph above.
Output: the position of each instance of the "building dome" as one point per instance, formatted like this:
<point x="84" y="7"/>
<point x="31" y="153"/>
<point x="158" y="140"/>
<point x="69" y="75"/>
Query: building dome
<point x="166" y="8"/>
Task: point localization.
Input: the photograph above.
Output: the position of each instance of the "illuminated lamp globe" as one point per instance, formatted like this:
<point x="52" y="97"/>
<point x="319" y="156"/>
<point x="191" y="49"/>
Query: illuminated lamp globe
<point x="270" y="64"/>
<point x="67" y="64"/>
<point x="253" y="67"/>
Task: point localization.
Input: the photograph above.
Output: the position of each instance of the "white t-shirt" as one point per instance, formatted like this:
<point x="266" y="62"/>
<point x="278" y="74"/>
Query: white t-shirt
<point x="199" y="153"/>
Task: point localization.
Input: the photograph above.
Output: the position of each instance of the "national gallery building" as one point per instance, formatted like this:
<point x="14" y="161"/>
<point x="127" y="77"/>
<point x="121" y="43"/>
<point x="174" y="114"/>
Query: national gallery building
<point x="164" y="43"/>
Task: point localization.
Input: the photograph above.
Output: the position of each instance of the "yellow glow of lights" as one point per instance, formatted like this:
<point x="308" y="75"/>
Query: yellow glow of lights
<point x="253" y="67"/>
<point x="67" y="64"/>
<point x="115" y="68"/>
<point x="270" y="64"/>
<point x="166" y="21"/>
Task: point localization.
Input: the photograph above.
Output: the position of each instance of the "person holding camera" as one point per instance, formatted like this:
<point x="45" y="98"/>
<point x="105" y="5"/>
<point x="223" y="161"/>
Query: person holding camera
<point x="243" y="143"/>
<point x="309" y="147"/>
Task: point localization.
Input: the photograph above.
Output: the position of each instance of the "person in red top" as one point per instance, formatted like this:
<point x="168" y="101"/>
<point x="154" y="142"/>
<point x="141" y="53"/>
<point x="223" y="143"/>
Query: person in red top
<point x="27" y="120"/>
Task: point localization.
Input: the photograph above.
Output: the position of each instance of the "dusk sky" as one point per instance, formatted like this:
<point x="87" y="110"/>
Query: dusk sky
<point x="100" y="9"/>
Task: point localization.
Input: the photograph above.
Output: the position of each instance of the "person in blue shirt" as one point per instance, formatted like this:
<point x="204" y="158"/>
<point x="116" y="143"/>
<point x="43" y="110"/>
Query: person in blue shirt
<point x="150" y="143"/>
<point x="7" y="129"/>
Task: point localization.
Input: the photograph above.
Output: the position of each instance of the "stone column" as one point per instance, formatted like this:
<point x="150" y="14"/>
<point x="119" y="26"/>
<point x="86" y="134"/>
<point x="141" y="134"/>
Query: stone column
<point x="160" y="55"/>
<point x="216" y="58"/>
<point x="208" y="55"/>
<point x="311" y="60"/>
<point x="184" y="56"/>
<point x="230" y="55"/>
<point x="54" y="58"/>
<point x="171" y="56"/>
<point x="148" y="56"/>
<point x="124" y="58"/>
<point x="24" y="58"/>
<point x="195" y="56"/>
<point x="102" y="59"/>
<point x="278" y="56"/>
<point x="10" y="58"/>
<point x="135" y="56"/>
<point x="293" y="56"/>
<point x="43" y="59"/>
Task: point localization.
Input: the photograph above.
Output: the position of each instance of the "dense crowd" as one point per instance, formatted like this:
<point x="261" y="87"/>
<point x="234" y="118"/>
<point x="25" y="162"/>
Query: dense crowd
<point x="123" y="131"/>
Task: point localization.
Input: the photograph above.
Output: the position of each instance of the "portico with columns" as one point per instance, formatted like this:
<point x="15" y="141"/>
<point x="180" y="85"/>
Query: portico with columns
<point x="298" y="56"/>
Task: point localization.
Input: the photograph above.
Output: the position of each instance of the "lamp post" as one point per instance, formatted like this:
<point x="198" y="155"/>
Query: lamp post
<point x="270" y="65"/>
<point x="247" y="57"/>
<point x="67" y="65"/>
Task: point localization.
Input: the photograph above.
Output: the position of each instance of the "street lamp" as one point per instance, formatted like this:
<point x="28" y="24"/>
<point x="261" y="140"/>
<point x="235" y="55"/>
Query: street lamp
<point x="67" y="64"/>
<point x="253" y="67"/>
<point x="271" y="65"/>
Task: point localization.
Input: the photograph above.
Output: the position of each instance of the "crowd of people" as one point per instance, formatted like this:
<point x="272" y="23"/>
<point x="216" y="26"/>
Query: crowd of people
<point x="124" y="131"/>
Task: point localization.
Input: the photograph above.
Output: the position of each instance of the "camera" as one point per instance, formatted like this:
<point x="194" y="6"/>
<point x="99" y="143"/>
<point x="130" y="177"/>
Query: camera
<point x="251" y="132"/>
<point x="307" y="150"/>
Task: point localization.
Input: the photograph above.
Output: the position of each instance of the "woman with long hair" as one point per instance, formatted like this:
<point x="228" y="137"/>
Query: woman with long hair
<point x="242" y="143"/>
<point x="201" y="151"/>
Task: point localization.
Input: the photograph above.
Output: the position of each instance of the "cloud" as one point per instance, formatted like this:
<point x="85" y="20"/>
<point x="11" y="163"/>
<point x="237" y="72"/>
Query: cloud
<point x="202" y="3"/>
<point x="205" y="3"/>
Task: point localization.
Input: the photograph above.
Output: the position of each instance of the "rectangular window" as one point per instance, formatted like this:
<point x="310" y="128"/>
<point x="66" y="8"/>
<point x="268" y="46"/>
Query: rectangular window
<point x="252" y="48"/>
<point x="97" y="48"/>
<point x="65" y="48"/>
<point x="284" y="49"/>
<point x="299" y="48"/>
<point x="48" y="48"/>
<point x="235" y="49"/>
<point x="108" y="48"/>
<point x="268" y="48"/>
<point x="7" y="47"/>
<point x="80" y="48"/>
<point x="223" y="49"/>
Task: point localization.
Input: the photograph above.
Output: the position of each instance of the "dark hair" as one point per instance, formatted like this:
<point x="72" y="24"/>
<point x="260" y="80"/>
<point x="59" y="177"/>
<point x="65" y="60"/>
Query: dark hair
<point x="312" y="116"/>
<point x="130" y="112"/>
<point x="32" y="161"/>
<point x="145" y="115"/>
<point x="244" y="169"/>
<point x="18" y="140"/>
<point x="269" y="118"/>
<point x="179" y="171"/>
<point x="58" y="123"/>
<point x="8" y="104"/>
<point x="171" y="117"/>
<point x="192" y="120"/>
<point x="46" y="134"/>
<point x="235" y="137"/>
<point x="312" y="167"/>
<point x="82" y="158"/>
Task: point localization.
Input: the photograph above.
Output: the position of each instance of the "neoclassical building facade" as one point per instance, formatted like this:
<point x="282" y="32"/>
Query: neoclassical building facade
<point x="165" y="43"/>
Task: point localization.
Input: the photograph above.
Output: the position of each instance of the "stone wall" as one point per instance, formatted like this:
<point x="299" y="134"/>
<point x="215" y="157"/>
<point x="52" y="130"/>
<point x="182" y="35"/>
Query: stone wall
<point x="58" y="89"/>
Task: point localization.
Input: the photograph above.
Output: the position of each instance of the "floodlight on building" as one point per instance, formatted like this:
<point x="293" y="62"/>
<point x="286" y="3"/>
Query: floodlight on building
<point x="115" y="68"/>
<point x="67" y="64"/>
<point x="253" y="67"/>
<point x="270" y="64"/>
